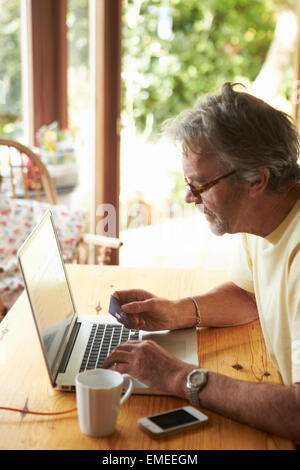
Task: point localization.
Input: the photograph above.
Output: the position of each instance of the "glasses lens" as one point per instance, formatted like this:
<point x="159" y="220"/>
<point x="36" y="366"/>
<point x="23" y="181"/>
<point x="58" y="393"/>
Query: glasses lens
<point x="194" y="191"/>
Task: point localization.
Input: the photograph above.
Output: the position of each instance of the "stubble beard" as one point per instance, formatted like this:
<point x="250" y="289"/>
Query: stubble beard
<point x="216" y="225"/>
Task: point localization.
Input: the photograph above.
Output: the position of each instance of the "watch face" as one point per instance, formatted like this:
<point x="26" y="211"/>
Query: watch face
<point x="196" y="378"/>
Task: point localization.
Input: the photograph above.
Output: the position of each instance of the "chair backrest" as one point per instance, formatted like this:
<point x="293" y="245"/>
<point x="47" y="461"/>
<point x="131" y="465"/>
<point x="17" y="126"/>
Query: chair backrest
<point x="24" y="168"/>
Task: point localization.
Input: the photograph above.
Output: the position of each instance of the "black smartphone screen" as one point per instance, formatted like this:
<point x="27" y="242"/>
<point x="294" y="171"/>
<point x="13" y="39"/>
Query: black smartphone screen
<point x="173" y="418"/>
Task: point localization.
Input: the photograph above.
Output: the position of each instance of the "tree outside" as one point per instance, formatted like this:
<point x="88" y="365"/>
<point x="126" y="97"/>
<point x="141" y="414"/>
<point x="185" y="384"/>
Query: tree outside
<point x="10" y="69"/>
<point x="174" y="53"/>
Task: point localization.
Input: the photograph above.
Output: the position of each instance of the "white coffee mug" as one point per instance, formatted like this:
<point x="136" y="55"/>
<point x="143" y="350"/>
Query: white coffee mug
<point x="98" y="397"/>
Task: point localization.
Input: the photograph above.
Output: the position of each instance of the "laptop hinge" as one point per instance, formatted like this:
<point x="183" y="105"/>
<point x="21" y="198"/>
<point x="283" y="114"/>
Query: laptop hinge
<point x="65" y="359"/>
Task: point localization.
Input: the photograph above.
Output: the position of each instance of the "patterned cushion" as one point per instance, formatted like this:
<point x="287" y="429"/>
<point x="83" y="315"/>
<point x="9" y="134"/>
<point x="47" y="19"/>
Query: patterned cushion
<point x="17" y="219"/>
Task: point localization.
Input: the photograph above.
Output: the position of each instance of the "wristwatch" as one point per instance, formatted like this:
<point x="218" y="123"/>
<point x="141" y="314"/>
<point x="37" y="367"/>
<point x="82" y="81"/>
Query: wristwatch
<point x="195" y="381"/>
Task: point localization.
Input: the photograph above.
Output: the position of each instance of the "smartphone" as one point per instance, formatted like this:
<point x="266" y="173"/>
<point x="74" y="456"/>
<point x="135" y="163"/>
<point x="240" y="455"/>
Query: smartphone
<point x="171" y="422"/>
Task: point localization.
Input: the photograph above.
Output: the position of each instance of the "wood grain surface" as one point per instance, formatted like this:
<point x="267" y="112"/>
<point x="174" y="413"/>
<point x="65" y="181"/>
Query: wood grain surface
<point x="238" y="352"/>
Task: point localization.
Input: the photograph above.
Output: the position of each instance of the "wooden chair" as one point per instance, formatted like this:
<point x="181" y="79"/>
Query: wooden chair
<point x="24" y="168"/>
<point x="27" y="170"/>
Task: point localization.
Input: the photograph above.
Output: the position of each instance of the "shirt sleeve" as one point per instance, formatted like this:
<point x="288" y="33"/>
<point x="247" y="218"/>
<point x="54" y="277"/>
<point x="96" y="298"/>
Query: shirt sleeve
<point x="294" y="315"/>
<point x="240" y="271"/>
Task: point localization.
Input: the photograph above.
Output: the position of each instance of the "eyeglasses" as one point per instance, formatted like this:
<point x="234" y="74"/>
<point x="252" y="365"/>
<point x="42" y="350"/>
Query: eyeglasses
<point x="197" y="191"/>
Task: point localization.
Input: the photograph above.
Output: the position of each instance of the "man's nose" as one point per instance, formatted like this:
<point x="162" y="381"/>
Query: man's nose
<point x="190" y="198"/>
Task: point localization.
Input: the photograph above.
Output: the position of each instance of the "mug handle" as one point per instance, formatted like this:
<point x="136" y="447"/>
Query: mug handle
<point x="129" y="389"/>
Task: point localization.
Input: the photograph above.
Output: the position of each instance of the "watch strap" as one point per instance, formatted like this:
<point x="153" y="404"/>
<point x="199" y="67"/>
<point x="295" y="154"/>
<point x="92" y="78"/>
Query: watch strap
<point x="194" y="396"/>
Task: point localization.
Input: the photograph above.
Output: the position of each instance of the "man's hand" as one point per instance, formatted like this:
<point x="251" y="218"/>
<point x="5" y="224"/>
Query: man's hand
<point x="152" y="365"/>
<point x="148" y="312"/>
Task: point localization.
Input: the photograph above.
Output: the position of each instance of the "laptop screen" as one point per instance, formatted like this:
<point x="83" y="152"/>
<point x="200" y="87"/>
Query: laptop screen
<point x="47" y="287"/>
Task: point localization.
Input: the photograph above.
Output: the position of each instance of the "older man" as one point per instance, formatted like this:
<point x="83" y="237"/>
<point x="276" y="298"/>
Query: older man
<point x="240" y="163"/>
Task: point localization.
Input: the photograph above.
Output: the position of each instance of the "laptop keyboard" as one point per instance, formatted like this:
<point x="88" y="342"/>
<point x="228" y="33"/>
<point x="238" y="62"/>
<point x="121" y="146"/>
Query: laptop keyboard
<point x="102" y="341"/>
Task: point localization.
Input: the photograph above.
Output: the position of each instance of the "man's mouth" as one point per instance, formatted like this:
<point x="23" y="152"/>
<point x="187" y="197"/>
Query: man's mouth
<point x="208" y="213"/>
<point x="203" y="210"/>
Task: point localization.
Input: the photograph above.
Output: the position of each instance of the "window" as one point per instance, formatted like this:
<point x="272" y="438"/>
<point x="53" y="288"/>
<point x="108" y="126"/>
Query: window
<point x="11" y="112"/>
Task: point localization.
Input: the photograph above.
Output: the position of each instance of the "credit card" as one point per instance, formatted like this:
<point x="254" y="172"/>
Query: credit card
<point x="115" y="309"/>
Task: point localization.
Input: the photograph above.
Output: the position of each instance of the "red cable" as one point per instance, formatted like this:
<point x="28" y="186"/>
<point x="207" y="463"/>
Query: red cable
<point x="37" y="412"/>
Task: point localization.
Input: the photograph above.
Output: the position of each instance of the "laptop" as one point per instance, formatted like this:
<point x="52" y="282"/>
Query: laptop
<point x="71" y="343"/>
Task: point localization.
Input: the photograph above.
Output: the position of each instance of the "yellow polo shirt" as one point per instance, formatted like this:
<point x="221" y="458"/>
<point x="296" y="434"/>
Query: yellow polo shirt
<point x="270" y="268"/>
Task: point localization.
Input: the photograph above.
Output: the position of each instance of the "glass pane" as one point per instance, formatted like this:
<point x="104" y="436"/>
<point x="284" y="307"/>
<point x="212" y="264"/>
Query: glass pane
<point x="79" y="94"/>
<point x="174" y="53"/>
<point x="11" y="116"/>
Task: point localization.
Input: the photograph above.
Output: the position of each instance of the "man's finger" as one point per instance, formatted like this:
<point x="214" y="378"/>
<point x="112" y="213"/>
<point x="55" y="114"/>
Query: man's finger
<point x="139" y="306"/>
<point x="116" y="357"/>
<point x="121" y="367"/>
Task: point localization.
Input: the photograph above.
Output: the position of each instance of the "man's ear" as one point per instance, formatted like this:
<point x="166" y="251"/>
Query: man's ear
<point x="259" y="183"/>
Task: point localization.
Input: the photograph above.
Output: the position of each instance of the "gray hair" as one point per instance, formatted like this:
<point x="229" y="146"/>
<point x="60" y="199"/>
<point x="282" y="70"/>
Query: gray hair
<point x="246" y="133"/>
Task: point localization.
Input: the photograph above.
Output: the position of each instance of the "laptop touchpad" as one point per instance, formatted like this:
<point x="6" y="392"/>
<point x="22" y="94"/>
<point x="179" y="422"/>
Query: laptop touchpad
<point x="172" y="341"/>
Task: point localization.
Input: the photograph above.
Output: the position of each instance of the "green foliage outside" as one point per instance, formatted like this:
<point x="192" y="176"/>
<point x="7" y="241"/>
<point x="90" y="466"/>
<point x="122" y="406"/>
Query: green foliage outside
<point x="78" y="33"/>
<point x="213" y="41"/>
<point x="10" y="67"/>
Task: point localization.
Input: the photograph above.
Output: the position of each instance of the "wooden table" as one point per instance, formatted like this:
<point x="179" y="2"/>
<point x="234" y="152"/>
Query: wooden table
<point x="238" y="352"/>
